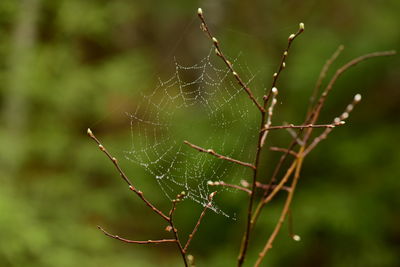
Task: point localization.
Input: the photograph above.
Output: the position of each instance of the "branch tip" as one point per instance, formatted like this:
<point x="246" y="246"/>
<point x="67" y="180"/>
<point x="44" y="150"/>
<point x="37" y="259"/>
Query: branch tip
<point x="89" y="132"/>
<point x="211" y="196"/>
<point x="296" y="238"/>
<point x="301" y="26"/>
<point x="357" y="98"/>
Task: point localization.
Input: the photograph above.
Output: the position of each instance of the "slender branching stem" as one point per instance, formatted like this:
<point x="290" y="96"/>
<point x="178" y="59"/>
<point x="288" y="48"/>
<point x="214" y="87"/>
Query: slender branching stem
<point x="300" y="133"/>
<point x="268" y="187"/>
<point x="222" y="183"/>
<point x="284" y="150"/>
<point x="275" y="190"/>
<point x="285" y="210"/>
<point x="219" y="53"/>
<point x="313" y="116"/>
<point x="291" y="126"/>
<point x="322" y="76"/>
<point x="342" y="117"/>
<point x="125" y="178"/>
<point x="139" y="193"/>
<point x="135" y="241"/>
<point x="246" y="235"/>
<point x="294" y="135"/>
<point x="270" y="113"/>
<point x="178" y="242"/>
<point x="212" y="152"/>
<point x="261" y="142"/>
<point x="282" y="64"/>
<point x="242" y="188"/>
<point x="196" y="227"/>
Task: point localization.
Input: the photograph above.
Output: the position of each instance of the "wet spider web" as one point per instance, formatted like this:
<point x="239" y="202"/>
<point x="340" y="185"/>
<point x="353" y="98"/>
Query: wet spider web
<point x="204" y="105"/>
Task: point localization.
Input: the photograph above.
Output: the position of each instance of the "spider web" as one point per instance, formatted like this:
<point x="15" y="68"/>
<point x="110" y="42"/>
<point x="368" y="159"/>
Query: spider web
<point x="204" y="105"/>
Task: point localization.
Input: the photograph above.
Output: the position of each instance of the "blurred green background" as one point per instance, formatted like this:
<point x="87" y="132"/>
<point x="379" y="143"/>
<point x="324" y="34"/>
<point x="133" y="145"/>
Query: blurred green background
<point x="68" y="65"/>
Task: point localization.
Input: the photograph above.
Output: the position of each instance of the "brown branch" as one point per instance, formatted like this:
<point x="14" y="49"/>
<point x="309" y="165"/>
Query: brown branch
<point x="246" y="184"/>
<point x="125" y="178"/>
<point x="294" y="135"/>
<point x="135" y="241"/>
<point x="322" y="75"/>
<point x="261" y="141"/>
<point x="270" y="113"/>
<point x="178" y="199"/>
<point x="284" y="212"/>
<point x="268" y="187"/>
<point x="284" y="150"/>
<point x="219" y="53"/>
<point x="291" y="126"/>
<point x="222" y="183"/>
<point x="206" y="207"/>
<point x="212" y="152"/>
<point x="282" y="64"/>
<point x="290" y="227"/>
<point x="276" y="189"/>
<point x="342" y="117"/>
<point x="175" y="231"/>
<point x="313" y="117"/>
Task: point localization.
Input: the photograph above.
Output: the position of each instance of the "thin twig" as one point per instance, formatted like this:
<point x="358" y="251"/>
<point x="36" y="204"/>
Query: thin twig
<point x="282" y="64"/>
<point x="275" y="190"/>
<point x="222" y="183"/>
<point x="284" y="212"/>
<point x="293" y="133"/>
<point x="291" y="126"/>
<point x="261" y="141"/>
<point x="284" y="150"/>
<point x="342" y="117"/>
<point x="270" y="113"/>
<point x="268" y="187"/>
<point x="179" y="197"/>
<point x="290" y="227"/>
<point x="175" y="231"/>
<point x="135" y="241"/>
<point x="125" y="178"/>
<point x="212" y="152"/>
<point x="206" y="207"/>
<point x="322" y="75"/>
<point x="219" y="53"/>
<point x="313" y="117"/>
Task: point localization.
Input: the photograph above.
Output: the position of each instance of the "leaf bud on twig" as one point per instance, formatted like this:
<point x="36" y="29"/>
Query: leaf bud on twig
<point x="357" y="98"/>
<point x="296" y="238"/>
<point x="89" y="132"/>
<point x="215" y="40"/>
<point x="301" y="26"/>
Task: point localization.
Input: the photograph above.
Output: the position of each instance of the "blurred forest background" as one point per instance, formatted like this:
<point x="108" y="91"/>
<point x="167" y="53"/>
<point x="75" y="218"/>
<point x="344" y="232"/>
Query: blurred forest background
<point x="68" y="65"/>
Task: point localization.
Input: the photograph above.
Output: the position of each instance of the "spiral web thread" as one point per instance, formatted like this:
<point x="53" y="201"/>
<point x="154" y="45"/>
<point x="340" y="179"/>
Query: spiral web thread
<point x="201" y="104"/>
